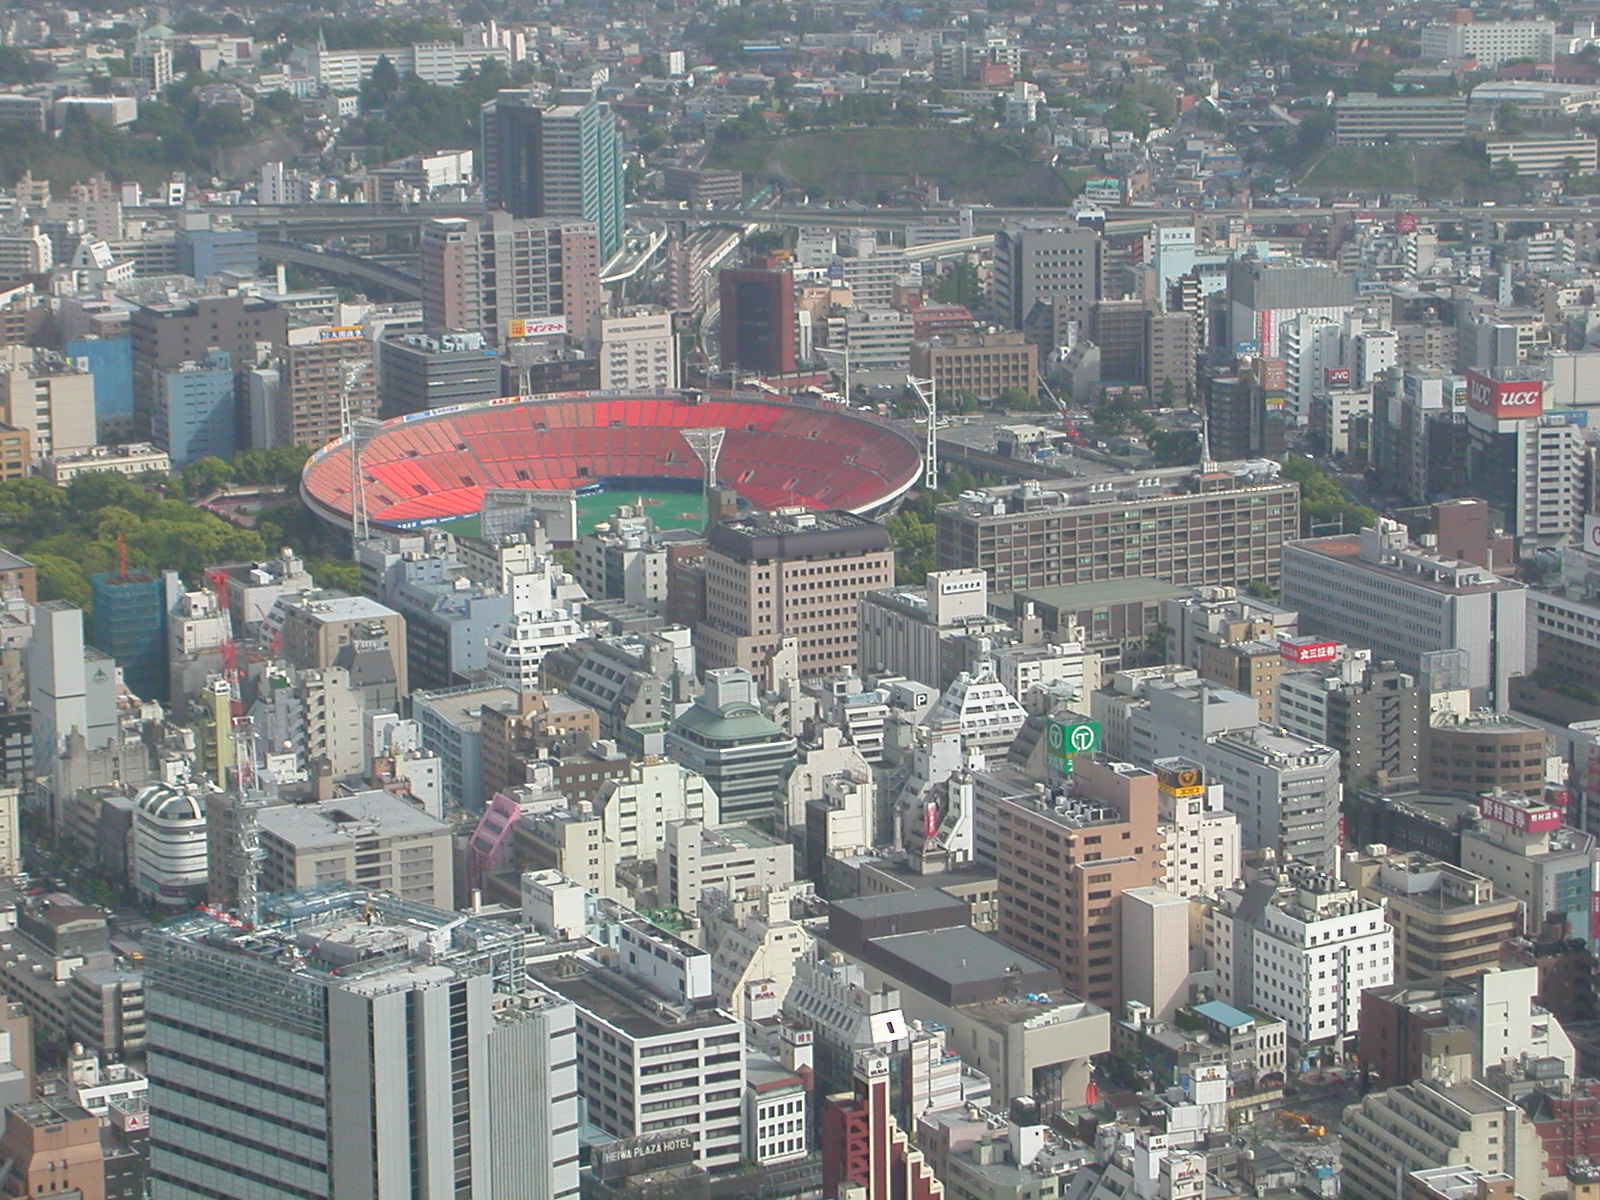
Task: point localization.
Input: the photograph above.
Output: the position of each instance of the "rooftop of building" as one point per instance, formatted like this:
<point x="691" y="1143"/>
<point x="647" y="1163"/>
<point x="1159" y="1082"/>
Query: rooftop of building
<point x="1074" y="597"/>
<point x="344" y="820"/>
<point x="959" y="954"/>
<point x="338" y="934"/>
<point x="1033" y="496"/>
<point x="734" y="838"/>
<point x="1225" y="1015"/>
<point x="40" y="1113"/>
<point x="733" y="723"/>
<point x="788" y="533"/>
<point x="12" y="562"/>
<point x="327" y="606"/>
<point x="1346" y="548"/>
<point x="893" y="904"/>
<point x="460" y="706"/>
<point x="618" y="1001"/>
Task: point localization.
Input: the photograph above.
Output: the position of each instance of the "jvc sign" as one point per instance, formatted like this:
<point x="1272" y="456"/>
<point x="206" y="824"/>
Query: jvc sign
<point x="1503" y="399"/>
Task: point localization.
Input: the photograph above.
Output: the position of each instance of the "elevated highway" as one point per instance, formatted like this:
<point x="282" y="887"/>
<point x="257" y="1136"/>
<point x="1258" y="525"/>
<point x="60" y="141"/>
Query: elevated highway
<point x="342" y="266"/>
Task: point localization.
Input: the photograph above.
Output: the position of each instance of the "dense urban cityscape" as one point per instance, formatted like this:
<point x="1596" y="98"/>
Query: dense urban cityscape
<point x="828" y="600"/>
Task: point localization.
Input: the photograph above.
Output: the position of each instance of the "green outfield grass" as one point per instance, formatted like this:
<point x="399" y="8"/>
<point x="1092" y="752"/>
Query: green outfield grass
<point x="668" y="509"/>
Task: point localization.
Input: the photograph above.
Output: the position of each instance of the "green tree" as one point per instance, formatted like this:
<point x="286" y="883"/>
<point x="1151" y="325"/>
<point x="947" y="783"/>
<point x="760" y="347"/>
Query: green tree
<point x="1175" y="447"/>
<point x="206" y="475"/>
<point x="380" y="87"/>
<point x="61" y="579"/>
<point x="959" y="285"/>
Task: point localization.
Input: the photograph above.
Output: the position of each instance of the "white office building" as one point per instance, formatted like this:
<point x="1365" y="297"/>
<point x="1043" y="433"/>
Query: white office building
<point x="1302" y="952"/>
<point x="637" y="350"/>
<point x="1489" y="42"/>
<point x="1200" y="837"/>
<point x="636" y="811"/>
<point x="654" y="1052"/>
<point x="169" y="845"/>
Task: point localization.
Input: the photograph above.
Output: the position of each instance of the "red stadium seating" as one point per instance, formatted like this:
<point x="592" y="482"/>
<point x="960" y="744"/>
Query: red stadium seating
<point x="436" y="467"/>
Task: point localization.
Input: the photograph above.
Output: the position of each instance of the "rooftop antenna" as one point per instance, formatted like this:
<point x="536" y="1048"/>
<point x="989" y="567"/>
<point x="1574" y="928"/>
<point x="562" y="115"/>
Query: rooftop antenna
<point x="1207" y="464"/>
<point x="707" y="446"/>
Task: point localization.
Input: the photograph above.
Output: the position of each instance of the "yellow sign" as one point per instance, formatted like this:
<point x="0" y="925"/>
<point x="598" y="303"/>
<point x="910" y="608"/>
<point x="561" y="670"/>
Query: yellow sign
<point x="1182" y="792"/>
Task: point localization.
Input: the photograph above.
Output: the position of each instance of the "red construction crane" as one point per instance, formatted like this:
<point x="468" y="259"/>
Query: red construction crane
<point x="218" y="579"/>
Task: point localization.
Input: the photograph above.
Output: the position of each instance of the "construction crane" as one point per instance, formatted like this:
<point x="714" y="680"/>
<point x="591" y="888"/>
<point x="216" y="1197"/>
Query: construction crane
<point x="218" y="579"/>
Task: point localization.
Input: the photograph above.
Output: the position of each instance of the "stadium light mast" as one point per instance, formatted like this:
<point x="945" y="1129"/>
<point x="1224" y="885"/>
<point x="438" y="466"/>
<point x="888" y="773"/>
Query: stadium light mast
<point x="844" y="354"/>
<point x="927" y="391"/>
<point x="707" y="446"/>
<point x="366" y="428"/>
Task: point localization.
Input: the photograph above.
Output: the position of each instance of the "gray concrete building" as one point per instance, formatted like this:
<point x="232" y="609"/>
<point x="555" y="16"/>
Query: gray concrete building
<point x="1178" y="525"/>
<point x="417" y="372"/>
<point x="372" y="838"/>
<point x="1375" y="589"/>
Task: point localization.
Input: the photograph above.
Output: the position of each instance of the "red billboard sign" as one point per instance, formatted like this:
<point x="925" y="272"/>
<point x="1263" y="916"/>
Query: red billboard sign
<point x="1307" y="650"/>
<point x="1529" y="818"/>
<point x="1405" y="223"/>
<point x="1336" y="376"/>
<point x="1503" y="399"/>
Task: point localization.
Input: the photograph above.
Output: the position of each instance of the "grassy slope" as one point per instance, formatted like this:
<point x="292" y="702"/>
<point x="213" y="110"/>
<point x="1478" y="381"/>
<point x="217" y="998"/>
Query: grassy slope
<point x="1429" y="171"/>
<point x="862" y="162"/>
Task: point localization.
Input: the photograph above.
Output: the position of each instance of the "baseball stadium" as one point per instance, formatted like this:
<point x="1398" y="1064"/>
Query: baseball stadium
<point x="605" y="449"/>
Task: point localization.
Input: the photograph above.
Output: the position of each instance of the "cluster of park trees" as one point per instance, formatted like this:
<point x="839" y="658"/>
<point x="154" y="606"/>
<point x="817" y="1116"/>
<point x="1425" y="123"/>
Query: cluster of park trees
<point x="70" y="533"/>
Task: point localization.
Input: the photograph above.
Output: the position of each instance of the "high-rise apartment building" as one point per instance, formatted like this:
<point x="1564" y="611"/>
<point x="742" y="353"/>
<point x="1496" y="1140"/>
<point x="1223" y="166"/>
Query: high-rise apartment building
<point x="1448" y="922"/>
<point x="370" y="838"/>
<point x="979" y="365"/>
<point x="1043" y="265"/>
<point x="167" y="334"/>
<point x="1178" y="525"/>
<point x="1284" y="789"/>
<point x="353" y="1045"/>
<point x="1263" y="297"/>
<point x="1490" y="43"/>
<point x="193" y="415"/>
<point x="1061" y="863"/>
<point x="508" y="277"/>
<point x="1523" y="846"/>
<point x="725" y="738"/>
<point x="865" y="1152"/>
<point x="758" y="322"/>
<point x="1371" y="714"/>
<point x="49" y="398"/>
<point x="654" y="1050"/>
<point x="562" y="161"/>
<point x="796" y="575"/>
<point x="320" y="366"/>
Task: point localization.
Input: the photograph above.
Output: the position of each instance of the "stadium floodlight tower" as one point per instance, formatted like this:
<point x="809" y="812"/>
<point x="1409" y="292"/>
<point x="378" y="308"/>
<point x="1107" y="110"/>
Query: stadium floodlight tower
<point x="928" y="392"/>
<point x="707" y="446"/>
<point x="362" y="433"/>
